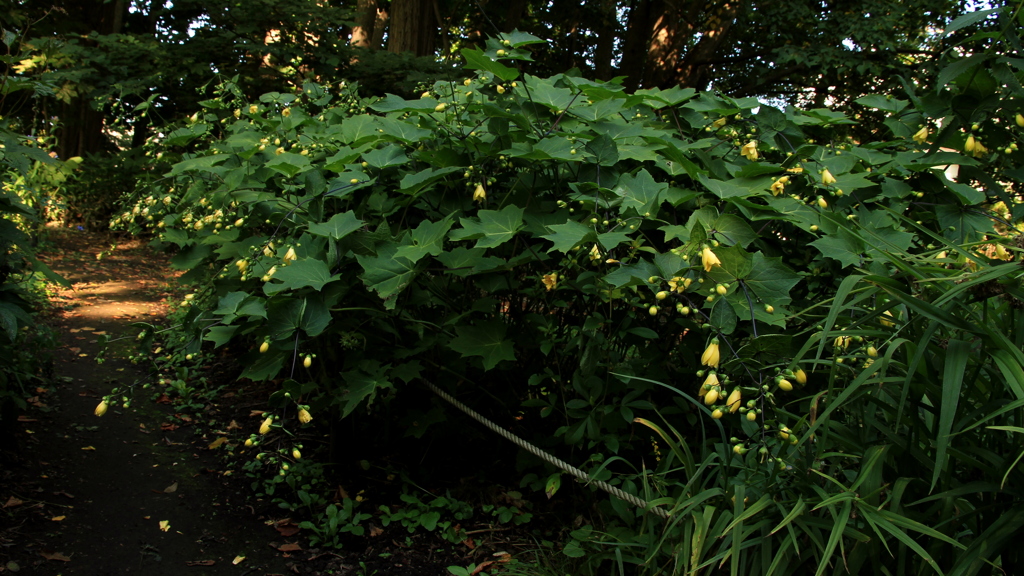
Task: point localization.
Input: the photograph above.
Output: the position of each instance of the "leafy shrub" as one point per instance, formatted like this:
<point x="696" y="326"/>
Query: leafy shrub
<point x="586" y="251"/>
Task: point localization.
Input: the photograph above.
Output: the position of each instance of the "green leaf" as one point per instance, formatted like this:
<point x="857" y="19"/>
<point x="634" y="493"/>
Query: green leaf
<point x="477" y="60"/>
<point x="220" y="335"/>
<point x="308" y="272"/>
<point x="883" y="103"/>
<point x="427" y="238"/>
<point x="568" y="235"/>
<point x="842" y="246"/>
<point x="339" y="226"/>
<point x="288" y="163"/>
<point x="955" y="363"/>
<point x="386" y="273"/>
<point x="640" y="193"/>
<point x="486" y="340"/>
<point x="463" y="261"/>
<point x="362" y="384"/>
<point x="494" y="227"/>
<point x="770" y="279"/>
<point x="201" y="164"/>
<point x="390" y="155"/>
<point x="392" y="103"/>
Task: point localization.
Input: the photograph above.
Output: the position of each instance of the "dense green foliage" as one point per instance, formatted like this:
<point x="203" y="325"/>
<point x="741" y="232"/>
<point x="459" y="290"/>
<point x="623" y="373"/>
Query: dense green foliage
<point x="29" y="182"/>
<point x="817" y="332"/>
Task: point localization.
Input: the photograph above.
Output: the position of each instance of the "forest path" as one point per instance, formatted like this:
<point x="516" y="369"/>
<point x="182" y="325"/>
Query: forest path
<point x="88" y="495"/>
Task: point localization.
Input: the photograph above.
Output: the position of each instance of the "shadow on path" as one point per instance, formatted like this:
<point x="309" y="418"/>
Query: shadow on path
<point x="87" y="495"/>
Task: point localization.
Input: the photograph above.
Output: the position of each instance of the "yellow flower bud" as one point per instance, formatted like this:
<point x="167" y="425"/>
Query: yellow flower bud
<point x="733" y="402"/>
<point x="101" y="408"/>
<point x="751" y="416"/>
<point x="440" y="107"/>
<point x="749" y="150"/>
<point x="969" y="145"/>
<point x="304" y="416"/>
<point x="785" y="385"/>
<point x="480" y="194"/>
<point x="290" y="256"/>
<point x="265" y="426"/>
<point x="712" y="396"/>
<point x="1020" y="120"/>
<point x="709" y="259"/>
<point x="800" y="376"/>
<point x="921" y="135"/>
<point x="822" y="203"/>
<point x="711" y="355"/>
<point x="501" y="90"/>
<point x="264" y="347"/>
<point x="307" y="362"/>
<point x="827" y="178"/>
<point x="717" y="413"/>
<point x="296" y="454"/>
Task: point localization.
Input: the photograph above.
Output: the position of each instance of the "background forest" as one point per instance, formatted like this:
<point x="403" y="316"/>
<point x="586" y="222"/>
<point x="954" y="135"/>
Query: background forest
<point x="755" y="264"/>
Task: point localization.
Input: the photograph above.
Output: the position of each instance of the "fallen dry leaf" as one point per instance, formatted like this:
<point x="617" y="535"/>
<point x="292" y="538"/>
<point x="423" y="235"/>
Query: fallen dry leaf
<point x="171" y="489"/>
<point x="238" y="559"/>
<point x="58" y="518"/>
<point x="217" y="443"/>
<point x="479" y="568"/>
<point x="55" y="556"/>
<point x="75" y="349"/>
<point x="168" y="427"/>
<point x="289" y="547"/>
<point x="12" y="502"/>
<point x="23" y="418"/>
<point x="233" y="426"/>
<point x="199" y="563"/>
<point x="88" y="448"/>
<point x="88" y="328"/>
<point x="375" y="531"/>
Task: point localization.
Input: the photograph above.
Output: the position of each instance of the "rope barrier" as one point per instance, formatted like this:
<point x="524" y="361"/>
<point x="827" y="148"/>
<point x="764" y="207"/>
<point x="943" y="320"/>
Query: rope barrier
<point x="634" y="500"/>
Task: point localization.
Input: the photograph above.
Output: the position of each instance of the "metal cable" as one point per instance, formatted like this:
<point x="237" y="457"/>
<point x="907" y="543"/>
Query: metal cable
<point x="634" y="500"/>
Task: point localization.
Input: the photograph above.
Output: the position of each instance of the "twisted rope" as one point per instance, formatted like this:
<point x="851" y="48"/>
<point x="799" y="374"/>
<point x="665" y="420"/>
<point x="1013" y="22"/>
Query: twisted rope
<point x="634" y="500"/>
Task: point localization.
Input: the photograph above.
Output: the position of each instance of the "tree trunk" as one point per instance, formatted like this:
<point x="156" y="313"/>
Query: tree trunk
<point x="413" y="28"/>
<point x="659" y="50"/>
<point x="605" y="41"/>
<point x="366" y="19"/>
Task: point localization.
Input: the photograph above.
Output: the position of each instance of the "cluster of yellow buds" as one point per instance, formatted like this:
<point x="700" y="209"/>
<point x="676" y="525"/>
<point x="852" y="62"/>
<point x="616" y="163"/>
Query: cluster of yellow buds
<point x="779" y="186"/>
<point x="679" y="284"/>
<point x="974" y="146"/>
<point x="550" y="281"/>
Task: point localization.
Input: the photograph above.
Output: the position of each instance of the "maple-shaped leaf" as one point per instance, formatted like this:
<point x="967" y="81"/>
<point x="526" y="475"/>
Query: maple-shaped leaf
<point x="486" y="340"/>
<point x="300" y="274"/>
<point x="492" y="227"/>
<point x="339" y="226"/>
<point x="640" y="192"/>
<point x="568" y="235"/>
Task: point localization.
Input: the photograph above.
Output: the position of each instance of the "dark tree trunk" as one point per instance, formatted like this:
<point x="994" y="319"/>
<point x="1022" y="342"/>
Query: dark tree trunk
<point x="413" y="27"/>
<point x="366" y="20"/>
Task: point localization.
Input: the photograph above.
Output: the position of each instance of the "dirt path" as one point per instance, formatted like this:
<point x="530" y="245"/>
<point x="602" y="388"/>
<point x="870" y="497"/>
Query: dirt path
<point x="88" y="494"/>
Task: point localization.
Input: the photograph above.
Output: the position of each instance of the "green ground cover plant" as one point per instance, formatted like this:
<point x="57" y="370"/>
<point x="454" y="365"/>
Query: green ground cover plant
<point x="800" y="340"/>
